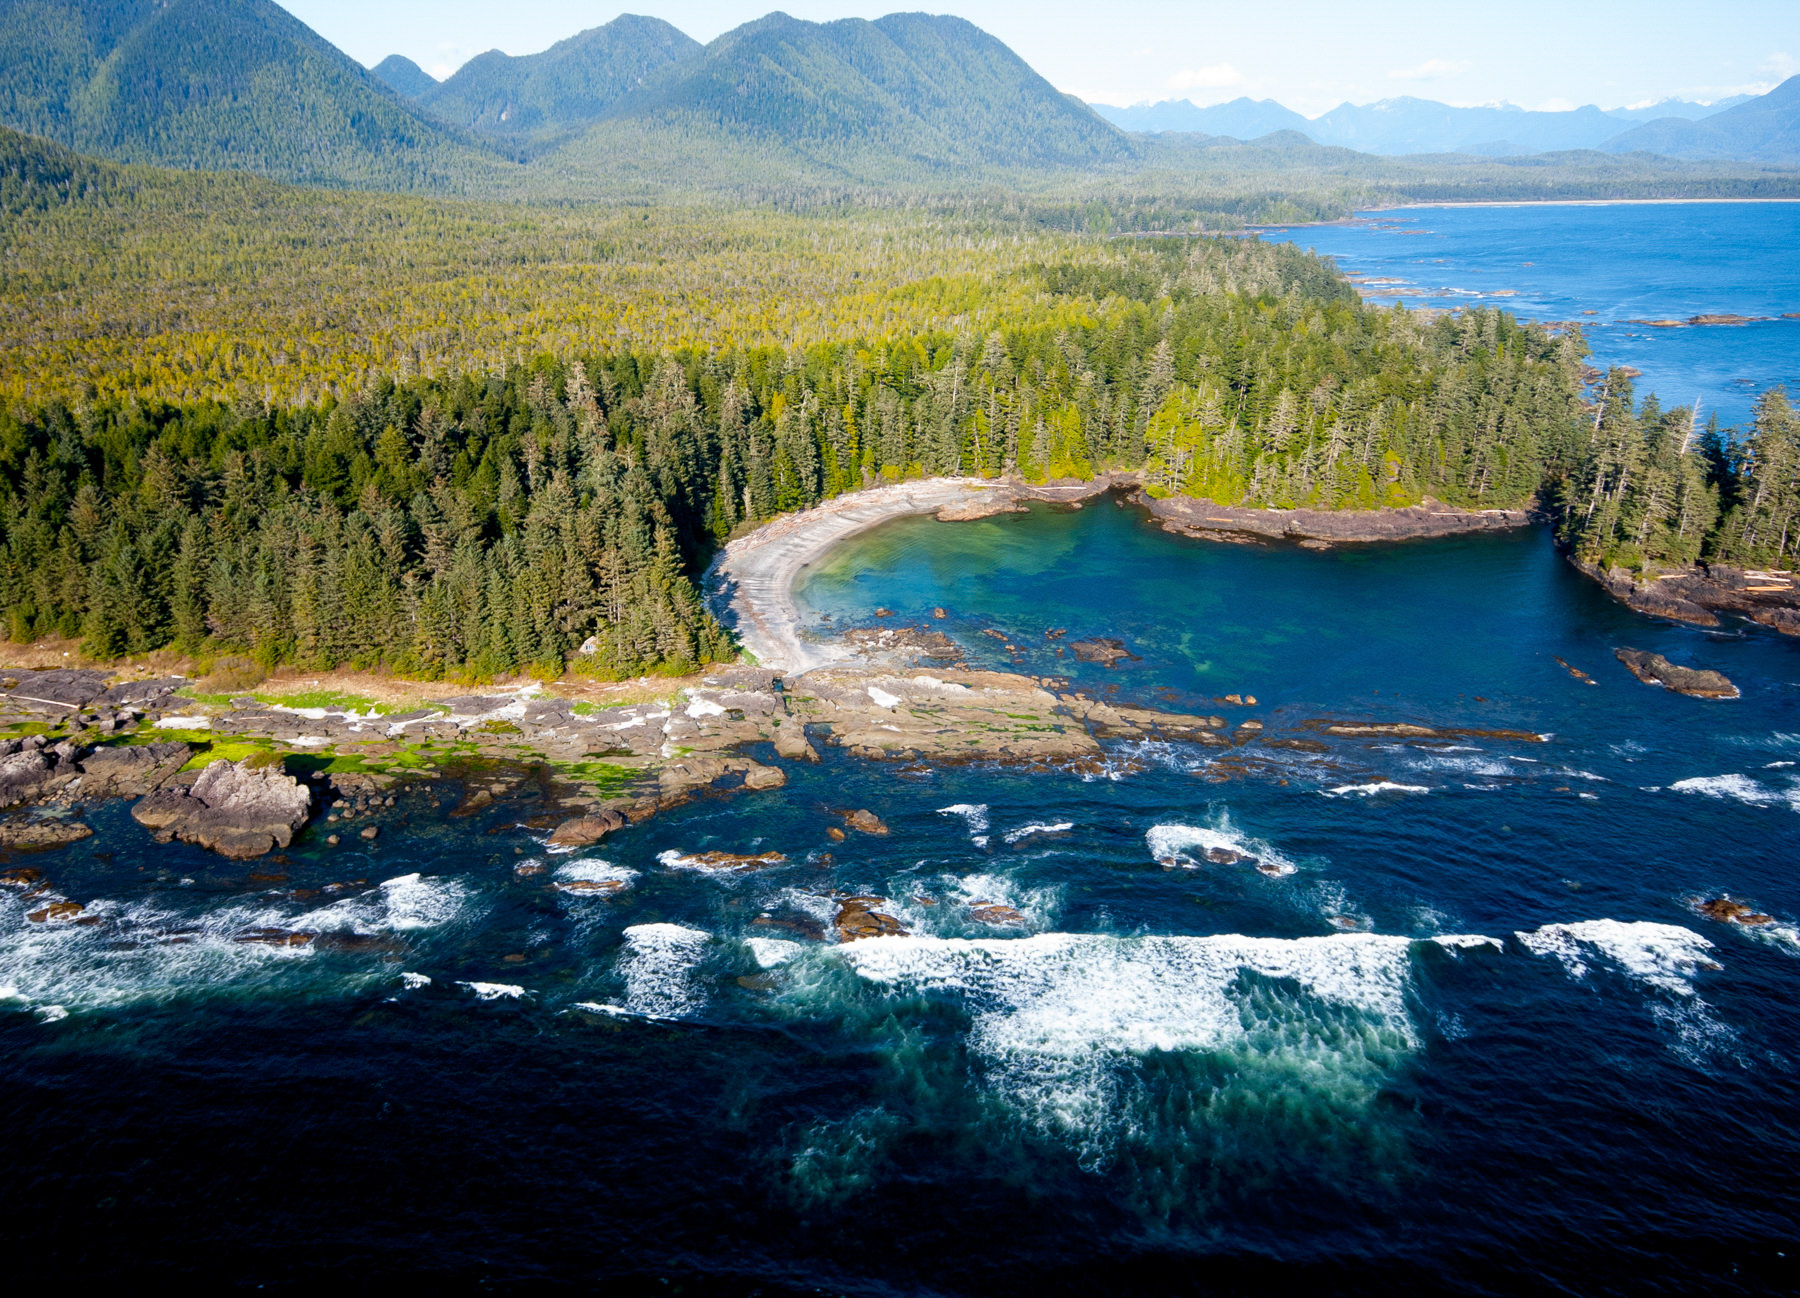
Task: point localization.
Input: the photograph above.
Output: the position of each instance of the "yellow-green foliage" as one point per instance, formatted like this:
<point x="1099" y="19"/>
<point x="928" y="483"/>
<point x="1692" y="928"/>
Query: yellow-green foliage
<point x="197" y="287"/>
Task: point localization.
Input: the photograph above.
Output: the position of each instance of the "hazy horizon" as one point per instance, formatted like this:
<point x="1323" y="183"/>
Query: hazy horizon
<point x="1309" y="56"/>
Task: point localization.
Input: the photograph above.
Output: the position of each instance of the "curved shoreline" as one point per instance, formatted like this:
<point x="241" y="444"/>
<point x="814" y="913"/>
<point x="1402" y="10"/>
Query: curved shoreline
<point x="750" y="584"/>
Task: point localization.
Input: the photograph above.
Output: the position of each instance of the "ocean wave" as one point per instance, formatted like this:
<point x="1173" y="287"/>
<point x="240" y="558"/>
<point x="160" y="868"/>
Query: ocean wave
<point x="657" y="966"/>
<point x="592" y="877"/>
<point x="974" y="815"/>
<point x="1041" y="827"/>
<point x="1194" y="846"/>
<point x="404" y="904"/>
<point x="494" y="991"/>
<point x="1663" y="956"/>
<point x="1371" y="789"/>
<point x="1060" y="1020"/>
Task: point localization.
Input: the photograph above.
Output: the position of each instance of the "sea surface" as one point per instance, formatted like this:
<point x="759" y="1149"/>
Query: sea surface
<point x="1453" y="1020"/>
<point x="1610" y="268"/>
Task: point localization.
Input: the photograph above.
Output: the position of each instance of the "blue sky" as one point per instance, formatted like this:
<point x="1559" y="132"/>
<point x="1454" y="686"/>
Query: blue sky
<point x="1309" y="54"/>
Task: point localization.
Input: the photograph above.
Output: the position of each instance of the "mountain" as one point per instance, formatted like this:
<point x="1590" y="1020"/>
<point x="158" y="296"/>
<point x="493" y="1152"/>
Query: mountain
<point x="1241" y="119"/>
<point x="1404" y="125"/>
<point x="404" y="77"/>
<point x="1677" y="108"/>
<point x="1765" y="129"/>
<point x="900" y="94"/>
<point x="223" y="84"/>
<point x="570" y="85"/>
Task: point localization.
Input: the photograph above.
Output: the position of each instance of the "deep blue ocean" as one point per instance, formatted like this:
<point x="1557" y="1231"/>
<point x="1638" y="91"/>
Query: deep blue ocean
<point x="1454" y="1020"/>
<point x="1607" y="268"/>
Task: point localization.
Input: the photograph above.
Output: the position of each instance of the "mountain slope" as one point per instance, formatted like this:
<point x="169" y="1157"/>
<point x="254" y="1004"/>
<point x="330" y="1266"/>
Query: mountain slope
<point x="570" y="85"/>
<point x="907" y="91"/>
<point x="404" y="77"/>
<point x="229" y="84"/>
<point x="1765" y="129"/>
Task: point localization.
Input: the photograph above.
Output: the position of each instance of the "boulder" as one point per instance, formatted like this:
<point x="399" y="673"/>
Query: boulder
<point x="56" y="912"/>
<point x="584" y="831"/>
<point x="1654" y="669"/>
<point x="131" y="770"/>
<point x="237" y="809"/>
<point x="791" y="742"/>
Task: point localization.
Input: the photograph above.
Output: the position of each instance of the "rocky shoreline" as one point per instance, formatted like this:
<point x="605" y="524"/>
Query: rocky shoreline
<point x="1700" y="595"/>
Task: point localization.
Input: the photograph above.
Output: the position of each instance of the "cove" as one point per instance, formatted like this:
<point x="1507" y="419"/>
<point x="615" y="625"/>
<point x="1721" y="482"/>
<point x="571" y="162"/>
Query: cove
<point x="1363" y="1010"/>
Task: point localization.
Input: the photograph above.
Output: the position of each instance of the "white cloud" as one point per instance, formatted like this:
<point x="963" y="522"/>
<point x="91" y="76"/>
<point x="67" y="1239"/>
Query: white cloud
<point x="1781" y="66"/>
<point x="1431" y="70"/>
<point x="1217" y="77"/>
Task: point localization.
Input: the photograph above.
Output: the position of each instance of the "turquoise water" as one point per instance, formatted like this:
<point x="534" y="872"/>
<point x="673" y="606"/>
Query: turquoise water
<point x="1466" y="1030"/>
<point x="1607" y="267"/>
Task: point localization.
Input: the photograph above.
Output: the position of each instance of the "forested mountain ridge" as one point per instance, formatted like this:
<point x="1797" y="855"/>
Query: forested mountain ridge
<point x="908" y="90"/>
<point x="238" y="84"/>
<point x="404" y="77"/>
<point x="570" y="85"/>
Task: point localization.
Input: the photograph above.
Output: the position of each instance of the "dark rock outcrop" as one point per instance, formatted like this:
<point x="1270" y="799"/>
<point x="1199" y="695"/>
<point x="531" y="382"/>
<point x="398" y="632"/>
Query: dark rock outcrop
<point x="238" y="810"/>
<point x="42" y="833"/>
<point x="1102" y="650"/>
<point x="1727" y="911"/>
<point x="32" y="770"/>
<point x="584" y="831"/>
<point x="857" y="919"/>
<point x="131" y="770"/>
<point x="1654" y="669"/>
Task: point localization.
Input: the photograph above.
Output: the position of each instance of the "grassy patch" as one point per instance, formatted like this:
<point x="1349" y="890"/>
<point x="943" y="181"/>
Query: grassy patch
<point x="330" y="700"/>
<point x="606" y="777"/>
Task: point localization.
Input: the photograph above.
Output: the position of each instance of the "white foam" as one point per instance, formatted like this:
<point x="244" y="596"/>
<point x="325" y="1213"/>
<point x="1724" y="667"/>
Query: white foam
<point x="1054" y="1017"/>
<point x="52" y="1013"/>
<point x="1663" y="956"/>
<point x="1370" y="790"/>
<point x="592" y="870"/>
<point x="404" y="904"/>
<point x="974" y="815"/>
<point x="1468" y="942"/>
<point x="657" y="965"/>
<point x="1026" y="831"/>
<point x="495" y="991"/>
<point x="773" y="952"/>
<point x="1187" y="845"/>
<point x="1740" y="788"/>
<point x="415" y="980"/>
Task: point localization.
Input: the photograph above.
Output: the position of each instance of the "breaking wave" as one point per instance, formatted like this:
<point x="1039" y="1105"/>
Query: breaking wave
<point x="1663" y="956"/>
<point x="1188" y="846"/>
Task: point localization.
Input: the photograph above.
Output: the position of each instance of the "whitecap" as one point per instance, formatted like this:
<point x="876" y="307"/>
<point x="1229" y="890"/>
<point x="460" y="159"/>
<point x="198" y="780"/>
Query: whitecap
<point x="1663" y="956"/>
<point x="495" y="991"/>
<point x="1740" y="788"/>
<point x="974" y="815"/>
<point x="406" y="903"/>
<point x="415" y="980"/>
<point x="1187" y="846"/>
<point x="1026" y="831"/>
<point x="592" y="876"/>
<point x="1371" y="789"/>
<point x="773" y="952"/>
<point x="657" y="966"/>
<point x="1468" y="942"/>
<point x="1058" y="1019"/>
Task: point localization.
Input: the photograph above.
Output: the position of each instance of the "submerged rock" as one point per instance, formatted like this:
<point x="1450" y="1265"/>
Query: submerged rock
<point x="238" y="810"/>
<point x="1654" y="669"/>
<point x="1103" y="649"/>
<point x="1727" y="911"/>
<point x="866" y="822"/>
<point x="993" y="912"/>
<point x="856" y="919"/>
<point x="723" y="860"/>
